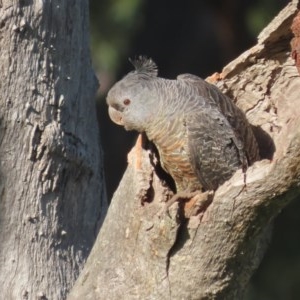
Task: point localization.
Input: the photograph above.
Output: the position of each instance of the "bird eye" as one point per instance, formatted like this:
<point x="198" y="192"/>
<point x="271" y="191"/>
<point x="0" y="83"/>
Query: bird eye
<point x="126" y="102"/>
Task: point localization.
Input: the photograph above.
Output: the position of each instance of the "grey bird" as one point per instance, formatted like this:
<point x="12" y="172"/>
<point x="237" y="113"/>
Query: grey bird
<point x="202" y="137"/>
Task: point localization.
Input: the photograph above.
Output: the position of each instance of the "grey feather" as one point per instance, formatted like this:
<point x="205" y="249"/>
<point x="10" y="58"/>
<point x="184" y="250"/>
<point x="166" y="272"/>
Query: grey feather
<point x="144" y="65"/>
<point x="201" y="135"/>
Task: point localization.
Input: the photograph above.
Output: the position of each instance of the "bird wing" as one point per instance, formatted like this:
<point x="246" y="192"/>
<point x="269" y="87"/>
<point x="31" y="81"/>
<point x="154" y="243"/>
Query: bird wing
<point x="235" y="117"/>
<point x="214" y="149"/>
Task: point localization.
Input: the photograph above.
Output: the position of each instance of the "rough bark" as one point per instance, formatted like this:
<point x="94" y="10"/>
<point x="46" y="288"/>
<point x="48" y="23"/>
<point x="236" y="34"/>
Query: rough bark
<point x="51" y="184"/>
<point x="144" y="253"/>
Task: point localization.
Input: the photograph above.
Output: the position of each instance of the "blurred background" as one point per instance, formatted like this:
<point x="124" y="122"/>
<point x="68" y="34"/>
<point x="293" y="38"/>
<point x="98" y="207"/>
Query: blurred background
<point x="191" y="36"/>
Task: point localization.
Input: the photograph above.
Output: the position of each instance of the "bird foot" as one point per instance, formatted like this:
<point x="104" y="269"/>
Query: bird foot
<point x="196" y="202"/>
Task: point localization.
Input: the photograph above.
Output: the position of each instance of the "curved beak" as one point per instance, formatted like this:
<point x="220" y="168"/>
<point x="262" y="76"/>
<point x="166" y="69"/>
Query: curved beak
<point x="115" y="116"/>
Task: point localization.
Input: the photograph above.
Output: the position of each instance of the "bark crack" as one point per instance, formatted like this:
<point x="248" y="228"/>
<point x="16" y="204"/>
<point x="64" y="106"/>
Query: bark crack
<point x="175" y="247"/>
<point x="35" y="140"/>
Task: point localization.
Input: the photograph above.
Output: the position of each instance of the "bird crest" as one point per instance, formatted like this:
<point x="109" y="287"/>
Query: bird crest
<point x="144" y="66"/>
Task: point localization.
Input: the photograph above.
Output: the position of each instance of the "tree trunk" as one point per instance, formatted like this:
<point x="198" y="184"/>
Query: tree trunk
<point x="51" y="179"/>
<point x="144" y="253"/>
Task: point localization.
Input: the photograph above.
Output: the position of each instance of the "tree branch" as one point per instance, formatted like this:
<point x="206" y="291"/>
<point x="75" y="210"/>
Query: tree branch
<point x="142" y="253"/>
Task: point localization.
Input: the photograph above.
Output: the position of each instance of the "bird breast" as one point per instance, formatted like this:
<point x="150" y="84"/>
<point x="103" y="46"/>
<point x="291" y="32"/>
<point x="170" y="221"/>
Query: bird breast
<point x="170" y="138"/>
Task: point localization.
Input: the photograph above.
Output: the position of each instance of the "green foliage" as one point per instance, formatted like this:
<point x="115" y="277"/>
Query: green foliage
<point x="113" y="24"/>
<point x="260" y="14"/>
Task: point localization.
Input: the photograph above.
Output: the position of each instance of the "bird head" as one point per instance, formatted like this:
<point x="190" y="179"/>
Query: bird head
<point x="130" y="100"/>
